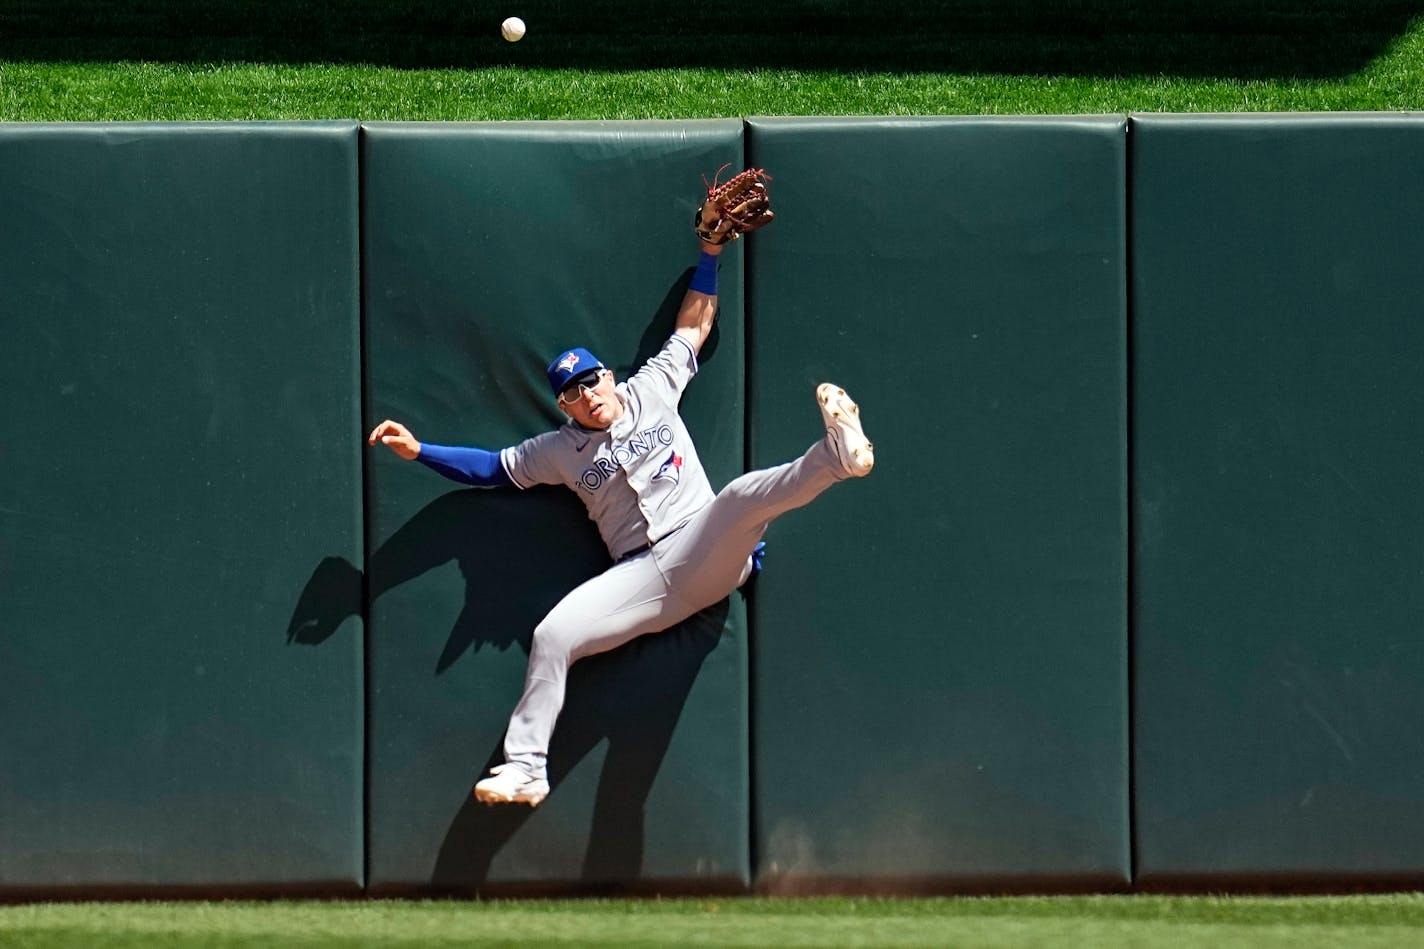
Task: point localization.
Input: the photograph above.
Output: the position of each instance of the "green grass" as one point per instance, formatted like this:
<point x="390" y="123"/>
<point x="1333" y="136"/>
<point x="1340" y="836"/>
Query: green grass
<point x="139" y="60"/>
<point x="1102" y="921"/>
<point x="33" y="92"/>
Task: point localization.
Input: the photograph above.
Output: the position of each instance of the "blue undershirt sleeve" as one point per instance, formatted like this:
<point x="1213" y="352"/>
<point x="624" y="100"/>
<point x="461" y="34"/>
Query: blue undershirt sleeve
<point x="466" y="465"/>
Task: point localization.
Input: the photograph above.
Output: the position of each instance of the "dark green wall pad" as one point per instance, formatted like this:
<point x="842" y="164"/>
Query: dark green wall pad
<point x="940" y="692"/>
<point x="180" y="359"/>
<point x="1278" y="509"/>
<point x="488" y="249"/>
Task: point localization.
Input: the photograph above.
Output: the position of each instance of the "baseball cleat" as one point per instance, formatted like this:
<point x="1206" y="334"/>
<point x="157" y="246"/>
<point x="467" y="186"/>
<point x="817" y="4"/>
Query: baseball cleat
<point x="842" y="417"/>
<point x="510" y="784"/>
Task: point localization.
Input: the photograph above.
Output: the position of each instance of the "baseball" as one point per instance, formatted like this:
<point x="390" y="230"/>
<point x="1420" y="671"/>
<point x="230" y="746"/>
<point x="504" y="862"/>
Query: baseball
<point x="513" y="29"/>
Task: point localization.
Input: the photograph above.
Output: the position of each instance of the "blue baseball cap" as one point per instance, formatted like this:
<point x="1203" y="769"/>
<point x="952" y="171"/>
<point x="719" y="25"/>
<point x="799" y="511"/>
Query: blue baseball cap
<point x="568" y="366"/>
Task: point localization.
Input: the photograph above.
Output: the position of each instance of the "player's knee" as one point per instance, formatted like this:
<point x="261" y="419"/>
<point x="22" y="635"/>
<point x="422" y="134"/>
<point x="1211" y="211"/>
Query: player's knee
<point x="552" y="643"/>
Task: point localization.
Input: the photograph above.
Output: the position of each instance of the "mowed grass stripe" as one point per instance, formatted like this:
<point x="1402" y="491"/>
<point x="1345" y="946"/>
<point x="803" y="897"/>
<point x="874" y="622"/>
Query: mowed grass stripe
<point x="1105" y="921"/>
<point x="89" y="92"/>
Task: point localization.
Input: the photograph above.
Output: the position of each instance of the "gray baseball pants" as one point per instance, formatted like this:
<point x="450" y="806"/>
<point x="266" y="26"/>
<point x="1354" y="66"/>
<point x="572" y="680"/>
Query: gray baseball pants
<point x="689" y="570"/>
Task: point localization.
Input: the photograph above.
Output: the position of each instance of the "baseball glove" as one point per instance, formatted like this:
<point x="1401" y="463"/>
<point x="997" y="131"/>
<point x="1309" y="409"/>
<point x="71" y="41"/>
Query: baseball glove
<point x="737" y="206"/>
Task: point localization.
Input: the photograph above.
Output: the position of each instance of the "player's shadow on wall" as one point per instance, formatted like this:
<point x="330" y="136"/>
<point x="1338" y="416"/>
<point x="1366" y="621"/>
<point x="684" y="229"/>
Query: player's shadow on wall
<point x="633" y="696"/>
<point x="518" y="553"/>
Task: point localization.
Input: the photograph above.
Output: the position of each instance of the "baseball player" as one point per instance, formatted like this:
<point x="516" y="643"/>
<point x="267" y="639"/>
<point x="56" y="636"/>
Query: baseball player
<point x="677" y="546"/>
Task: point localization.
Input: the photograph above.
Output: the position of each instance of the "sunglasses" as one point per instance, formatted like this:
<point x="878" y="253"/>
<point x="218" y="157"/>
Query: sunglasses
<point x="585" y="383"/>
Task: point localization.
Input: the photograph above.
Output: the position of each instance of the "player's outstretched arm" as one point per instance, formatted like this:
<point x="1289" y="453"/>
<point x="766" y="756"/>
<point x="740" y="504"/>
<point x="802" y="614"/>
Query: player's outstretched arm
<point x="397" y="437"/>
<point x="699" y="304"/>
<point x="472" y="466"/>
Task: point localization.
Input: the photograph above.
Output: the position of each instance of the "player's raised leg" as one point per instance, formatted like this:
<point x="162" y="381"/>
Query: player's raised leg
<point x="710" y="556"/>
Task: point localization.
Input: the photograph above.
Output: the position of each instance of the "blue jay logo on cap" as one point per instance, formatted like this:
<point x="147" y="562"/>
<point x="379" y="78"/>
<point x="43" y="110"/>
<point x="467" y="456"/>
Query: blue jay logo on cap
<point x="568" y="365"/>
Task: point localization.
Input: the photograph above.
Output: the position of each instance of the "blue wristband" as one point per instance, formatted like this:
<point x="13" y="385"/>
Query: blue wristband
<point x="704" y="279"/>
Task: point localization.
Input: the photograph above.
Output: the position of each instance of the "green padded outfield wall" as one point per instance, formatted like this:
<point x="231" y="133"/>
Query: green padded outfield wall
<point x="488" y="249"/>
<point x="1279" y="497"/>
<point x="179" y="316"/>
<point x="940" y="662"/>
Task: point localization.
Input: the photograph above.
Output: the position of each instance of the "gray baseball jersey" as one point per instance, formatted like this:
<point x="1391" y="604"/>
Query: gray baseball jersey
<point x="643" y="484"/>
<point x="641" y="478"/>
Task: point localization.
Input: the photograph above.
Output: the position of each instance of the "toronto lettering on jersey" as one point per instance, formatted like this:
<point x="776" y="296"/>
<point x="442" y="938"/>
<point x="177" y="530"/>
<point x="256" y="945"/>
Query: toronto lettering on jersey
<point x="593" y="477"/>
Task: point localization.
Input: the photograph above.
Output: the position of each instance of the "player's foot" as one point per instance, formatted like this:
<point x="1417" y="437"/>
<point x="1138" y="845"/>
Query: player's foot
<point x="510" y="784"/>
<point x="842" y="417"/>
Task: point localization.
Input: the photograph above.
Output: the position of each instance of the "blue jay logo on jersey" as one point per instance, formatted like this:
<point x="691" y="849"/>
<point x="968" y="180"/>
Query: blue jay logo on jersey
<point x="671" y="469"/>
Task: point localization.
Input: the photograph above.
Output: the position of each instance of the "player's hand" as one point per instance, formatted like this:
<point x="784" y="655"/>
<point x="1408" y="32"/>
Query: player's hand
<point x="397" y="437"/>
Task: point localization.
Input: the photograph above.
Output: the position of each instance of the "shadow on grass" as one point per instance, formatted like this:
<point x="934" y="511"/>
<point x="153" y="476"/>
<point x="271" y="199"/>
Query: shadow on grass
<point x="1097" y="38"/>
